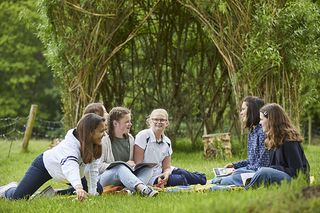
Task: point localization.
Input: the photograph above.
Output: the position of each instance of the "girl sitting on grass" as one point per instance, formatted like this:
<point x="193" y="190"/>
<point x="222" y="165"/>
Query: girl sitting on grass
<point x="117" y="145"/>
<point x="284" y="141"/>
<point x="153" y="146"/>
<point x="258" y="155"/>
<point x="80" y="148"/>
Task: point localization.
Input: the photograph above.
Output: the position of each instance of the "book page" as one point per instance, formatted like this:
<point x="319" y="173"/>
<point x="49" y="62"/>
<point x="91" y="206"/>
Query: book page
<point x="220" y="172"/>
<point x="246" y="177"/>
<point x="138" y="166"/>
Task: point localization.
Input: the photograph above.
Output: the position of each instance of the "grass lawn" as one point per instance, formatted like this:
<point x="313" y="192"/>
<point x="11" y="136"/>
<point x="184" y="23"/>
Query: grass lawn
<point x="284" y="198"/>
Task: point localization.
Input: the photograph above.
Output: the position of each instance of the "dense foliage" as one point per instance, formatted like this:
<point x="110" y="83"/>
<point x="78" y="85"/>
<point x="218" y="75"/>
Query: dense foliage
<point x="197" y="59"/>
<point x="25" y="76"/>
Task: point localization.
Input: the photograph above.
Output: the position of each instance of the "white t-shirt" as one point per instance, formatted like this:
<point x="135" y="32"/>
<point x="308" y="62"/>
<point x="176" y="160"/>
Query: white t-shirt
<point x="154" y="152"/>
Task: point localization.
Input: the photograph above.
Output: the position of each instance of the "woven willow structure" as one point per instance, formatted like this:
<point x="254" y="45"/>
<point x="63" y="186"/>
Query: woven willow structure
<point x="197" y="59"/>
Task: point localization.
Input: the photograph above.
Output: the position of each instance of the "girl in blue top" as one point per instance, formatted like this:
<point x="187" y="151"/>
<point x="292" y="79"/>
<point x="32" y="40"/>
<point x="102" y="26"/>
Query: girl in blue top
<point x="284" y="141"/>
<point x="258" y="156"/>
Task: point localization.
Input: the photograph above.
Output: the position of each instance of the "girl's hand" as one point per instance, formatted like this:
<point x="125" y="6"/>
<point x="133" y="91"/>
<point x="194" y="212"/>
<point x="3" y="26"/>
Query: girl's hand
<point x="162" y="180"/>
<point x="229" y="165"/>
<point x="131" y="163"/>
<point x="81" y="194"/>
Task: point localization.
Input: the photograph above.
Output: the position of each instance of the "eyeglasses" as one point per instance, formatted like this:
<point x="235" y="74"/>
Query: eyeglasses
<point x="159" y="120"/>
<point x="265" y="113"/>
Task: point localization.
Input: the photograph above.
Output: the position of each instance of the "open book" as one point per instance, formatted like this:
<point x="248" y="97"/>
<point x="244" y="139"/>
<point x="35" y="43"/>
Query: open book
<point x="246" y="178"/>
<point x="220" y="172"/>
<point x="135" y="168"/>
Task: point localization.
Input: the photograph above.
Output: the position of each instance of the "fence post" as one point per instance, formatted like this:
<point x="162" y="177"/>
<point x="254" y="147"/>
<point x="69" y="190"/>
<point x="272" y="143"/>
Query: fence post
<point x="309" y="129"/>
<point x="28" y="132"/>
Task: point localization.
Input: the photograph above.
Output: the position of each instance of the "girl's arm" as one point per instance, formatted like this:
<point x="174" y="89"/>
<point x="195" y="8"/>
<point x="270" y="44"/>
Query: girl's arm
<point x="166" y="171"/>
<point x="138" y="154"/>
<point x="92" y="177"/>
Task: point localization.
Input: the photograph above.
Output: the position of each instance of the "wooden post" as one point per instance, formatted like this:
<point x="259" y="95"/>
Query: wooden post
<point x="28" y="132"/>
<point x="309" y="129"/>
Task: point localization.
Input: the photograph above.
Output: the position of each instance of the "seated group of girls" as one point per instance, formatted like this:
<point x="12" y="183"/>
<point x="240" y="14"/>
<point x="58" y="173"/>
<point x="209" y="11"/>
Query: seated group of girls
<point x="82" y="159"/>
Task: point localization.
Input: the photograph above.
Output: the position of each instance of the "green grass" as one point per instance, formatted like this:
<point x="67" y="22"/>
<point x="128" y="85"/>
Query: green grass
<point x="286" y="198"/>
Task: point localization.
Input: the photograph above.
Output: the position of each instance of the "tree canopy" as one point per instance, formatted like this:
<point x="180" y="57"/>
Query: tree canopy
<point x="25" y="76"/>
<point x="197" y="59"/>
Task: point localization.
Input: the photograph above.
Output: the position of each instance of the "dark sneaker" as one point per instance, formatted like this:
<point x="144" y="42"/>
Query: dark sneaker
<point x="149" y="192"/>
<point x="47" y="192"/>
<point x="4" y="188"/>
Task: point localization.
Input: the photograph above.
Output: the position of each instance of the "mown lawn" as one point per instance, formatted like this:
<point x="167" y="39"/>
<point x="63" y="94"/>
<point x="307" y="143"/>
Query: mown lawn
<point x="286" y="198"/>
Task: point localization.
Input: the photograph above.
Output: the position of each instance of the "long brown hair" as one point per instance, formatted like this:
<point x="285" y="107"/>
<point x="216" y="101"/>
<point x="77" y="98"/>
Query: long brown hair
<point x="279" y="126"/>
<point x="116" y="114"/>
<point x="85" y="128"/>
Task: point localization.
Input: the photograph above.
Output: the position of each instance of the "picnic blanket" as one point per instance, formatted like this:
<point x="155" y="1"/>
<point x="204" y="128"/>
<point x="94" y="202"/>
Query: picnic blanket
<point x="189" y="188"/>
<point x="200" y="188"/>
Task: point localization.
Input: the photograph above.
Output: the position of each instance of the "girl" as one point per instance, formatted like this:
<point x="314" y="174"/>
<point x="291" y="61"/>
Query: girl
<point x="97" y="108"/>
<point x="118" y="146"/>
<point x="152" y="146"/>
<point x="258" y="156"/>
<point x="67" y="161"/>
<point x="284" y="141"/>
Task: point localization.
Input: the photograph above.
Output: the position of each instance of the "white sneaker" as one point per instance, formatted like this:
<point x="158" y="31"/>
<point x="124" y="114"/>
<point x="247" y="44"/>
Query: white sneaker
<point x="149" y="192"/>
<point x="4" y="188"/>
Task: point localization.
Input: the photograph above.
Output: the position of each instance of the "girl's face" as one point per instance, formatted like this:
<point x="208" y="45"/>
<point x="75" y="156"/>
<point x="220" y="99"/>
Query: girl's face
<point x="123" y="125"/>
<point x="98" y="133"/>
<point x="158" y="122"/>
<point x="263" y="121"/>
<point x="243" y="112"/>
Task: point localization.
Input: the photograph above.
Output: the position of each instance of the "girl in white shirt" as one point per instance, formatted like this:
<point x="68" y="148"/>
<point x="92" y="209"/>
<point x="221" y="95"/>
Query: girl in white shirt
<point x="66" y="162"/>
<point x="153" y="146"/>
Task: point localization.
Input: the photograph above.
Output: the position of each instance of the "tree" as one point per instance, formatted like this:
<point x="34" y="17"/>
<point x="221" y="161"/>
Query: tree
<point x="197" y="59"/>
<point x="25" y="76"/>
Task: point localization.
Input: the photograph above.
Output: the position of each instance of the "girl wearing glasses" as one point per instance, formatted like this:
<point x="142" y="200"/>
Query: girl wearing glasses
<point x="153" y="146"/>
<point x="284" y="141"/>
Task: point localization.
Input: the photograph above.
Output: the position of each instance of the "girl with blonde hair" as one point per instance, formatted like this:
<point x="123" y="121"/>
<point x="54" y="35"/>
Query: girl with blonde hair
<point x="153" y="146"/>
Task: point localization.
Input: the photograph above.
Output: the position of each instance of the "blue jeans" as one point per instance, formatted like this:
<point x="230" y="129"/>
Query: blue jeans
<point x="121" y="175"/>
<point x="34" y="178"/>
<point x="267" y="176"/>
<point x="233" y="179"/>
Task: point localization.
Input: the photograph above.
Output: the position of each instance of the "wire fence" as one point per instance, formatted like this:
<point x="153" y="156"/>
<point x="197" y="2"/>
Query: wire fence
<point x="14" y="128"/>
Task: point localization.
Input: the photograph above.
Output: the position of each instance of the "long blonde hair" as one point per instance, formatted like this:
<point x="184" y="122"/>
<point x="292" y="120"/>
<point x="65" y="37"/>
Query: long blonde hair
<point x="279" y="126"/>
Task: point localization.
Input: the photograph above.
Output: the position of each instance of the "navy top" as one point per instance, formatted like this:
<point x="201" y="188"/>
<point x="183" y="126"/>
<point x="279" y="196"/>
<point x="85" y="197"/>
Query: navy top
<point x="258" y="155"/>
<point x="290" y="158"/>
